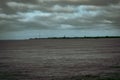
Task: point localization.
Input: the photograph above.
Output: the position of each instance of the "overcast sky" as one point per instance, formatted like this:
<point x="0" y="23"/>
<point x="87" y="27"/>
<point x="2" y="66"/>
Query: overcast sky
<point x="21" y="19"/>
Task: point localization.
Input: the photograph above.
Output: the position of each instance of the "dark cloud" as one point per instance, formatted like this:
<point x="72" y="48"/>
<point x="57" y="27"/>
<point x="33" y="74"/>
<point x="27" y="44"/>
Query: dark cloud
<point x="45" y="4"/>
<point x="22" y="15"/>
<point x="83" y="2"/>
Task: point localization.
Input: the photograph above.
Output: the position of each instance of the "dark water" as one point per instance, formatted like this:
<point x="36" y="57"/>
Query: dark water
<point x="64" y="59"/>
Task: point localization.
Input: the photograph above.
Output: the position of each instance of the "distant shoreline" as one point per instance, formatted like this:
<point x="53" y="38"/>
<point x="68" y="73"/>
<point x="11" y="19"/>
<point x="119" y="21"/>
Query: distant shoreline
<point x="76" y="37"/>
<point x="85" y="37"/>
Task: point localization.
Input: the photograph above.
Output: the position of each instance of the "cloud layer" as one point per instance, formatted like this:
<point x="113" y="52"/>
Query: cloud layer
<point x="22" y="15"/>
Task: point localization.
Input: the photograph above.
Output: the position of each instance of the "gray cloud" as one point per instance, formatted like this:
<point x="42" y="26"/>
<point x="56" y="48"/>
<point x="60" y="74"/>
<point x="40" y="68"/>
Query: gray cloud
<point x="24" y="5"/>
<point x="21" y="15"/>
<point x="80" y="2"/>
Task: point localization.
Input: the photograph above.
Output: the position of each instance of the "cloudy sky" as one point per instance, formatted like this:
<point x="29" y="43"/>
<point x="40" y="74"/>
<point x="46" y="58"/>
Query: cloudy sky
<point x="22" y="19"/>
